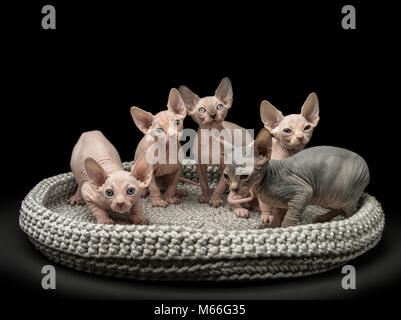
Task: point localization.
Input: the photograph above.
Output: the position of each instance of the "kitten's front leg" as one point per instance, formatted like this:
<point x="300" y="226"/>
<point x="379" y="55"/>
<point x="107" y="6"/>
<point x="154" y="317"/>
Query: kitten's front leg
<point x="165" y="181"/>
<point x="172" y="188"/>
<point x="272" y="217"/>
<point x="137" y="216"/>
<point x="77" y="197"/>
<point x="267" y="213"/>
<point x="157" y="200"/>
<point x="100" y="214"/>
<point x="295" y="208"/>
<point x="215" y="199"/>
<point x="202" y="173"/>
<point x="240" y="211"/>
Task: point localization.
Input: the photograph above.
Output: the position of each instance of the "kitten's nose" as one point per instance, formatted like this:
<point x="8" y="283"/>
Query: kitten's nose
<point x="120" y="204"/>
<point x="300" y="138"/>
<point x="213" y="115"/>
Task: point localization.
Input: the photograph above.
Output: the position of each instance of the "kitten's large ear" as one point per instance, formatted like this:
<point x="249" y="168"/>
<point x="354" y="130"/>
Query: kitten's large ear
<point x="142" y="170"/>
<point x="263" y="146"/>
<point x="95" y="172"/>
<point x="143" y="119"/>
<point x="270" y="116"/>
<point x="175" y="103"/>
<point x="224" y="92"/>
<point x="190" y="98"/>
<point x="310" y="109"/>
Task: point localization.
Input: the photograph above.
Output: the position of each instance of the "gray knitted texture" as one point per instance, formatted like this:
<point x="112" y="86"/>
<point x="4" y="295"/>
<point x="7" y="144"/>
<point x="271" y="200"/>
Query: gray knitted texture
<point x="192" y="241"/>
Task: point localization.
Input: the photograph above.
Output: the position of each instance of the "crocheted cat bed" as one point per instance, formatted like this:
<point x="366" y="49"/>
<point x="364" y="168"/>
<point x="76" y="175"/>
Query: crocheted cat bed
<point x="192" y="241"/>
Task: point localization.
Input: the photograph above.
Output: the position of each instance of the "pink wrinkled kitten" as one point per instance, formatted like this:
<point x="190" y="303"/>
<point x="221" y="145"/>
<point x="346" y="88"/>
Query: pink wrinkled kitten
<point x="290" y="133"/>
<point x="209" y="112"/>
<point x="166" y="126"/>
<point x="103" y="184"/>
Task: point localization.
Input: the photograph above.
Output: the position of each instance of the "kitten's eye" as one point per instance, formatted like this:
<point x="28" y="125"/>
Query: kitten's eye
<point x="243" y="177"/>
<point x="307" y="127"/>
<point x="159" y="131"/>
<point x="225" y="175"/>
<point x="202" y="110"/>
<point x="220" y="107"/>
<point x="288" y="131"/>
<point x="130" y="191"/>
<point x="109" y="192"/>
<point x="177" y="123"/>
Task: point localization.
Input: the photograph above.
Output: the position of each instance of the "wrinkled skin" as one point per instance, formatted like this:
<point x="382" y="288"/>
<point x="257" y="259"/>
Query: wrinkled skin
<point x="103" y="184"/>
<point x="166" y="128"/>
<point x="330" y="177"/>
<point x="209" y="113"/>
<point x="291" y="134"/>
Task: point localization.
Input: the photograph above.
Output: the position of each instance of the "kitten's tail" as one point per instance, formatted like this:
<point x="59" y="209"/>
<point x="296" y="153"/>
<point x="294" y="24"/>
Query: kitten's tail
<point x="235" y="201"/>
<point x="189" y="181"/>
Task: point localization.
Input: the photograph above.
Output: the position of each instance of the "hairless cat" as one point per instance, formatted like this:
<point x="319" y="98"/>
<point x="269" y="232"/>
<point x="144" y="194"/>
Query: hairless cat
<point x="166" y="126"/>
<point x="103" y="184"/>
<point x="291" y="134"/>
<point x="330" y="177"/>
<point x="210" y="112"/>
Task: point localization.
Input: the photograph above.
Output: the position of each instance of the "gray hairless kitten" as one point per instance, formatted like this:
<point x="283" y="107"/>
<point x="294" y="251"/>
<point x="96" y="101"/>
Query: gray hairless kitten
<point x="330" y="177"/>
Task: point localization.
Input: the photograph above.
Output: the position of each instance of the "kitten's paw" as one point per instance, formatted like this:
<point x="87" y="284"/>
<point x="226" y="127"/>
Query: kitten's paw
<point x="105" y="221"/>
<point x="204" y="198"/>
<point x="173" y="200"/>
<point x="76" y="199"/>
<point x="140" y="219"/>
<point x="266" y="218"/>
<point x="215" y="202"/>
<point x="241" y="212"/>
<point x="181" y="192"/>
<point x="159" y="203"/>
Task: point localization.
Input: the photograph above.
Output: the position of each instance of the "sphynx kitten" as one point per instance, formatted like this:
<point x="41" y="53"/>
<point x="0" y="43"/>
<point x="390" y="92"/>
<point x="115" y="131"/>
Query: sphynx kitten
<point x="166" y="126"/>
<point x="330" y="177"/>
<point x="103" y="184"/>
<point x="290" y="133"/>
<point x="210" y="112"/>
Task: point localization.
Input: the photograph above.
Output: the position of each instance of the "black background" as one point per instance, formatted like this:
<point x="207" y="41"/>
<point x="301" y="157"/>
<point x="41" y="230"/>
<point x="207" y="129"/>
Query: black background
<point x="104" y="58"/>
